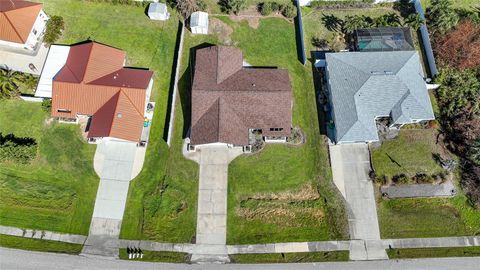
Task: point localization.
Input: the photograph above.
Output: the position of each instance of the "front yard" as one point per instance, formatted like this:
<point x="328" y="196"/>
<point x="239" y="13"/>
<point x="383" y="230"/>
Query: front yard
<point x="426" y="217"/>
<point x="57" y="190"/>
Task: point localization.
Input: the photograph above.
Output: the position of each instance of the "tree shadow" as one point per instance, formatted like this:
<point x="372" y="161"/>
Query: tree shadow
<point x="20" y="141"/>
<point x="332" y="23"/>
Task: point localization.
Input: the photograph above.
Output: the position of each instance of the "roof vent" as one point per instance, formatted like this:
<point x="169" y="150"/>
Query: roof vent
<point x="388" y="72"/>
<point x="376" y="72"/>
<point x="119" y="115"/>
<point x="253" y="84"/>
<point x="115" y="76"/>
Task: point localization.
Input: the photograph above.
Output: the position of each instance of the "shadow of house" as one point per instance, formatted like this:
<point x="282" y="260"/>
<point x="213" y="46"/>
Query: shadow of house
<point x="185" y="88"/>
<point x="320" y="94"/>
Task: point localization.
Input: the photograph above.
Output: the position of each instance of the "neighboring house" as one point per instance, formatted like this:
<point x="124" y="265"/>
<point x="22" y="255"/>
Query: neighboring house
<point x="384" y="39"/>
<point x="94" y="84"/>
<point x="364" y="86"/>
<point x="199" y="22"/>
<point x="230" y="101"/>
<point x="22" y="24"/>
<point x="158" y="11"/>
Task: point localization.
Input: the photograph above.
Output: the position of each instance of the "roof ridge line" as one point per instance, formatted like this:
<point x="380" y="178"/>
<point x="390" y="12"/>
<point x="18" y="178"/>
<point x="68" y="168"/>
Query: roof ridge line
<point x="13" y="27"/>
<point x="73" y="73"/>
<point x="88" y="61"/>
<point x="113" y="116"/>
<point x="131" y="102"/>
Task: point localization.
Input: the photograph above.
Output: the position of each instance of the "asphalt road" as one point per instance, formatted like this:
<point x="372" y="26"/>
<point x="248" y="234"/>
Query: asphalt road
<point x="27" y="260"/>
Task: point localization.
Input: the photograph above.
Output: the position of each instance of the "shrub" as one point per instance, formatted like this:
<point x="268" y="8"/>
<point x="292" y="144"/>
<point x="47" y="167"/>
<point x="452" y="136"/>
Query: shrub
<point x="16" y="149"/>
<point x="55" y="26"/>
<point x="339" y="4"/>
<point x="421" y="178"/>
<point x="47" y="105"/>
<point x="266" y="8"/>
<point x="234" y="6"/>
<point x="289" y="11"/>
<point x="401" y="179"/>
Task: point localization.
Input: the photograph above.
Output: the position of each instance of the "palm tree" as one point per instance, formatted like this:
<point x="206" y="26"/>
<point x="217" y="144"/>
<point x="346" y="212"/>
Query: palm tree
<point x="414" y="21"/>
<point x="9" y="82"/>
<point x="332" y="23"/>
<point x="355" y="22"/>
<point x="380" y="21"/>
<point x="393" y="19"/>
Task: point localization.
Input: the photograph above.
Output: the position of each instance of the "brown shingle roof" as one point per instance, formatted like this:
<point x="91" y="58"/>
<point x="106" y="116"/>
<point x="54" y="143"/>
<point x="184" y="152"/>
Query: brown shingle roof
<point x="94" y="82"/>
<point x="16" y="19"/>
<point x="228" y="99"/>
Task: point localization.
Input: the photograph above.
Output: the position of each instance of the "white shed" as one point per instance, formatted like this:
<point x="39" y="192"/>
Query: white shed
<point x="199" y="22"/>
<point x="158" y="11"/>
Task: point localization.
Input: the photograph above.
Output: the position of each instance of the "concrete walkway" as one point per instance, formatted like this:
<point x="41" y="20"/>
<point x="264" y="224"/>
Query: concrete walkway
<point x="211" y="233"/>
<point x="44" y="235"/>
<point x="350" y="167"/>
<point x="446" y="189"/>
<point x="116" y="162"/>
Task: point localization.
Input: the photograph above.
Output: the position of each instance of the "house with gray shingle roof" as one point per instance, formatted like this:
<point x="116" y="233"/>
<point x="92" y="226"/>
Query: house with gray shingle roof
<point x="364" y="86"/>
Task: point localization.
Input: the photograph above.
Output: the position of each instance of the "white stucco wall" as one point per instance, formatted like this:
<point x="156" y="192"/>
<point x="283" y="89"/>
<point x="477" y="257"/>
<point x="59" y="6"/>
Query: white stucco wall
<point x="36" y="33"/>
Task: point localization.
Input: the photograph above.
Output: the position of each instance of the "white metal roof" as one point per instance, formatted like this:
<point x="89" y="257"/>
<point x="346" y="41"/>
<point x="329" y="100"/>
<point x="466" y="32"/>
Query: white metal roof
<point x="157" y="8"/>
<point x="56" y="59"/>
<point x="199" y="19"/>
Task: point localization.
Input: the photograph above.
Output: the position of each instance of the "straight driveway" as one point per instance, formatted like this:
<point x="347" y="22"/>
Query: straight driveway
<point x="350" y="167"/>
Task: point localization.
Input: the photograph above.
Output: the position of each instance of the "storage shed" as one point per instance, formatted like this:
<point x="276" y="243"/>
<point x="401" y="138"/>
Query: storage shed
<point x="199" y="22"/>
<point x="158" y="11"/>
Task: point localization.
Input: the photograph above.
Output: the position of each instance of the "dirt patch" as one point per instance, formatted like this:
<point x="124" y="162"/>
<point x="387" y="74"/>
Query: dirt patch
<point x="306" y="193"/>
<point x="251" y="15"/>
<point x="280" y="216"/>
<point x="221" y="29"/>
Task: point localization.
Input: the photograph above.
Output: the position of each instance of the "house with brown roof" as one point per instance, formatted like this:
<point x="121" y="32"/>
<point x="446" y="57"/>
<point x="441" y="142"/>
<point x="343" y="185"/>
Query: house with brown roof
<point x="94" y="84"/>
<point x="230" y="101"/>
<point x="22" y="24"/>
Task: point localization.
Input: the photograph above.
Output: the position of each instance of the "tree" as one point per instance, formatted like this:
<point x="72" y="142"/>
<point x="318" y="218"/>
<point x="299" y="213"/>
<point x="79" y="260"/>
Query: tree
<point x="332" y="22"/>
<point x="441" y="16"/>
<point x="459" y="93"/>
<point x="414" y="21"/>
<point x="355" y="22"/>
<point x="474" y="152"/>
<point x="320" y="43"/>
<point x="380" y="21"/>
<point x="187" y="7"/>
<point x="289" y="11"/>
<point x="9" y="82"/>
<point x="392" y="19"/>
<point x="55" y="26"/>
<point x="234" y="6"/>
<point x="405" y="7"/>
<point x="459" y="48"/>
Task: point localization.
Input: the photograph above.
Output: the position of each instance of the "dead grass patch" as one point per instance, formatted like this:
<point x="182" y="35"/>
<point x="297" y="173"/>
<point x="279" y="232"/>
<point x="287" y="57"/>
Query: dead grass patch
<point x="307" y="193"/>
<point x="221" y="29"/>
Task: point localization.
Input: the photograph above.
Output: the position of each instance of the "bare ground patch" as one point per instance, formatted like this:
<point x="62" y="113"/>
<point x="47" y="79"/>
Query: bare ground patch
<point x="306" y="193"/>
<point x="221" y="30"/>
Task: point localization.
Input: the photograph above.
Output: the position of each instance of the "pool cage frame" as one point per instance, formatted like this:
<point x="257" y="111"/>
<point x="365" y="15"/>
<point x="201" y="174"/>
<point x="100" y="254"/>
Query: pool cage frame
<point x="390" y="39"/>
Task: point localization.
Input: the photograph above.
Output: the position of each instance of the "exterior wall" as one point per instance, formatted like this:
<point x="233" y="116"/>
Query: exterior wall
<point x="36" y="34"/>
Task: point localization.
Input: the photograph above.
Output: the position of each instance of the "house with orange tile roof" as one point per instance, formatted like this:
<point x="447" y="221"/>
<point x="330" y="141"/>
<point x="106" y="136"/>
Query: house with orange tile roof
<point x="94" y="84"/>
<point x="22" y="24"/>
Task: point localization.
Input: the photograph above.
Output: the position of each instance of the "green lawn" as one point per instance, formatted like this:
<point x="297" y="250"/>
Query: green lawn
<point x="412" y="150"/>
<point x="39" y="245"/>
<point x="280" y="168"/>
<point x="406" y="218"/>
<point x="157" y="256"/>
<point x="333" y="256"/>
<point x="314" y="27"/>
<point x="162" y="199"/>
<point x="57" y="190"/>
<point x="411" y="253"/>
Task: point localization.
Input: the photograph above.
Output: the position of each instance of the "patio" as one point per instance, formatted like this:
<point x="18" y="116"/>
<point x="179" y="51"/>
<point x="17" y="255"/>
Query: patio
<point x="27" y="62"/>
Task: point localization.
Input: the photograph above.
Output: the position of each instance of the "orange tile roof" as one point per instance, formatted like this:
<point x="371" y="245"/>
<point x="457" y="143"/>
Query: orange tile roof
<point x="94" y="82"/>
<point x="16" y="19"/>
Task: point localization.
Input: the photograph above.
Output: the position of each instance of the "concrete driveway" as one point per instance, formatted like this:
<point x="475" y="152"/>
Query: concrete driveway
<point x="116" y="162"/>
<point x="211" y="233"/>
<point x="350" y="167"/>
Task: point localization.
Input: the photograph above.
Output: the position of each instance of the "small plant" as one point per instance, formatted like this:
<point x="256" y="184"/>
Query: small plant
<point x="265" y="8"/>
<point x="421" y="178"/>
<point x="17" y="149"/>
<point x="320" y="43"/>
<point x="401" y="179"/>
<point x="235" y="6"/>
<point x="47" y="105"/>
<point x="55" y="26"/>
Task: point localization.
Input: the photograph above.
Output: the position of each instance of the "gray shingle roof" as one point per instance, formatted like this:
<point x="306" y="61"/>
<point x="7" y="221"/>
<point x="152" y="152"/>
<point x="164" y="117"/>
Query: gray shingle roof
<point x="366" y="85"/>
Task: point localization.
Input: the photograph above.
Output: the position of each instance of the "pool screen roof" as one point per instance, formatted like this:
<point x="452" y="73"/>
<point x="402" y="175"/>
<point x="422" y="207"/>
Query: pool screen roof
<point x="384" y="39"/>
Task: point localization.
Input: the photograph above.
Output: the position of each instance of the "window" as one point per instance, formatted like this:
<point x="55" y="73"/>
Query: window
<point x="64" y="110"/>
<point x="276" y="129"/>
